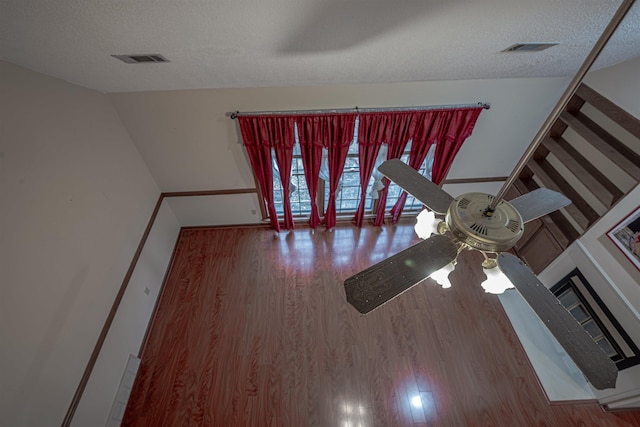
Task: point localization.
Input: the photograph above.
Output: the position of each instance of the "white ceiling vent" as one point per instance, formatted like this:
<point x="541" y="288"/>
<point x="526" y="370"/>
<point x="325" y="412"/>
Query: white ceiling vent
<point x="529" y="47"/>
<point x="146" y="58"/>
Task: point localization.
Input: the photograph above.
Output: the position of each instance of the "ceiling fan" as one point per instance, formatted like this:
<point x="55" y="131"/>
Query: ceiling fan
<point x="490" y="225"/>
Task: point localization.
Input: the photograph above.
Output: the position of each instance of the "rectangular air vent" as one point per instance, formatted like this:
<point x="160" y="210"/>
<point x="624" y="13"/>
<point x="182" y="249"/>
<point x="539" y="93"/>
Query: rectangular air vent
<point x="529" y="47"/>
<point x="147" y="58"/>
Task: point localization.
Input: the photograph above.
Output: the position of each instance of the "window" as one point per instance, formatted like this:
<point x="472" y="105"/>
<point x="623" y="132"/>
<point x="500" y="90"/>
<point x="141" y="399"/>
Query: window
<point x="299" y="193"/>
<point x="570" y="300"/>
<point x="448" y="126"/>
<point x="580" y="299"/>
<point x="348" y="195"/>
<point x="411" y="205"/>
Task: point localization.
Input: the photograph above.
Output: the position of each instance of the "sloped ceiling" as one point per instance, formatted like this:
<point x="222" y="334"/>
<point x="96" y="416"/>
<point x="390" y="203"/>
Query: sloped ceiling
<point x="308" y="54"/>
<point x="246" y="43"/>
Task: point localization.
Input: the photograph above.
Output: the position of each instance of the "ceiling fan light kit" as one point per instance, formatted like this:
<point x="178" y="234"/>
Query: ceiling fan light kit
<point x="475" y="227"/>
<point x="442" y="276"/>
<point x="427" y="224"/>
<point x="496" y="282"/>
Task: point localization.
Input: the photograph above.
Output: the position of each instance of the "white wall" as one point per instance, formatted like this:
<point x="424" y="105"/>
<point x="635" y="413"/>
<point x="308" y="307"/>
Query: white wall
<point x="221" y="209"/>
<point x="620" y="84"/>
<point x="190" y="143"/>
<point x="76" y="197"/>
<point x="127" y="331"/>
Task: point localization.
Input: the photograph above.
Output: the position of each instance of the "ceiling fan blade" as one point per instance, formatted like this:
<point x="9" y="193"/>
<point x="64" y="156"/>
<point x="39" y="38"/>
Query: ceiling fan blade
<point x="387" y="279"/>
<point x="539" y="202"/>
<point x="429" y="194"/>
<point x="596" y="366"/>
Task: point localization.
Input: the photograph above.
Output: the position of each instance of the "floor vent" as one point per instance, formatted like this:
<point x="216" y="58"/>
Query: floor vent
<point x="124" y="390"/>
<point x="149" y="58"/>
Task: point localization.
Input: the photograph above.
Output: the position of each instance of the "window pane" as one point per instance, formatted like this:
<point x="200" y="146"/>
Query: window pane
<point x="592" y="328"/>
<point x="300" y="200"/>
<point x="411" y="205"/>
<point x="348" y="194"/>
<point x="351" y="193"/>
<point x="579" y="313"/>
<point x="351" y="179"/>
<point x="349" y="205"/>
<point x="607" y="348"/>
<point x="353" y="148"/>
<point x="394" y="191"/>
<point x="277" y="186"/>
<point x="351" y="164"/>
<point x="568" y="298"/>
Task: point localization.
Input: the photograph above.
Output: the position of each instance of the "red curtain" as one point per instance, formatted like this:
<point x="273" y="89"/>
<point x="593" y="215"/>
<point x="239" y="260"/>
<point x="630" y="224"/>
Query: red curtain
<point x="260" y="134"/>
<point x="371" y="135"/>
<point x="334" y="132"/>
<point x="447" y="128"/>
<point x="439" y="127"/>
<point x="458" y="125"/>
<point x="259" y="156"/>
<point x="399" y="131"/>
<point x="428" y="128"/>
<point x="310" y="135"/>
<point x="284" y="157"/>
<point x="339" y="134"/>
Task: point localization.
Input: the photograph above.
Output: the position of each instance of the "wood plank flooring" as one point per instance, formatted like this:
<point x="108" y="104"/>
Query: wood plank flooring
<point x="252" y="329"/>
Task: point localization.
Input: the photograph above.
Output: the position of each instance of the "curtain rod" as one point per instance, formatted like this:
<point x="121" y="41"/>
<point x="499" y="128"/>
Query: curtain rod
<point x="236" y="114"/>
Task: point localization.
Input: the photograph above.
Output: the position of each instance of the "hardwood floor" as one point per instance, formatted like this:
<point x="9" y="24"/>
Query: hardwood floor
<point x="253" y="329"/>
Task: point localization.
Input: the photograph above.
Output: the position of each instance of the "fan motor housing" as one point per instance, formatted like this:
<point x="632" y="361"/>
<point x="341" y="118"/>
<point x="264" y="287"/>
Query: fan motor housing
<point x="470" y="222"/>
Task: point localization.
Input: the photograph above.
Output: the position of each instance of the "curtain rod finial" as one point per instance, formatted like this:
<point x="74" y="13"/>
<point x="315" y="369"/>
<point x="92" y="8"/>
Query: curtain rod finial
<point x="485" y="105"/>
<point x="234" y="115"/>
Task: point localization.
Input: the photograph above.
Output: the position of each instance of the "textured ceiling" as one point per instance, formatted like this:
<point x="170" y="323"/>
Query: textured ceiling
<point x="246" y="43"/>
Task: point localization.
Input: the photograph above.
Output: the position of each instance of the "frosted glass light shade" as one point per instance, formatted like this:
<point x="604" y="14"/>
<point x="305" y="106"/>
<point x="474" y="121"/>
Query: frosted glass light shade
<point x="426" y="224"/>
<point x="442" y="276"/>
<point x="496" y="282"/>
